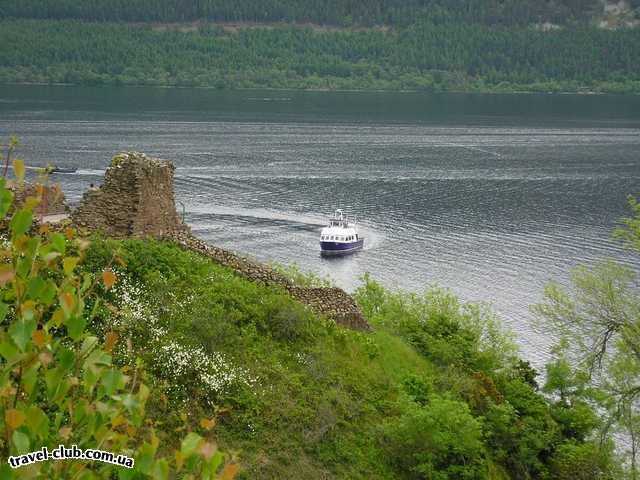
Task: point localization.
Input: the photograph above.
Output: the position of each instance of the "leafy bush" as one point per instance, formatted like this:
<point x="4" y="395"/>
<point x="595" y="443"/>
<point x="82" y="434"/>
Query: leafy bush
<point x="439" y="326"/>
<point x="478" y="373"/>
<point x="586" y="461"/>
<point x="440" y="441"/>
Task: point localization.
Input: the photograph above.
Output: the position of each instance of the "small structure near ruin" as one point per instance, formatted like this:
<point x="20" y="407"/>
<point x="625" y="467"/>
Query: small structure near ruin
<point x="136" y="199"/>
<point x="52" y="201"/>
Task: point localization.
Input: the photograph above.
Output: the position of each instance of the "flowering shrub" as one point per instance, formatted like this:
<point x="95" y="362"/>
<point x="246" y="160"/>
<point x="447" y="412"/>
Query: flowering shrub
<point x="58" y="382"/>
<point x="186" y="369"/>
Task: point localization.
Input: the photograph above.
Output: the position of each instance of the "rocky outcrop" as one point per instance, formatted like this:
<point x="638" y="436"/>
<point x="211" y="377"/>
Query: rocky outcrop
<point x="136" y="199"/>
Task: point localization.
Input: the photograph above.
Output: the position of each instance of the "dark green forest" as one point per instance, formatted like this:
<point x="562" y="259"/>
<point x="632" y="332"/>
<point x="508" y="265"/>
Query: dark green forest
<point x="423" y="56"/>
<point x="428" y="45"/>
<point x="332" y="12"/>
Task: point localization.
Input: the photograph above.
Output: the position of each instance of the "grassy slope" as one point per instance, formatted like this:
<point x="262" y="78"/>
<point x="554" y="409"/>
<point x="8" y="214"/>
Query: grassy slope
<point x="322" y="390"/>
<point x="298" y="397"/>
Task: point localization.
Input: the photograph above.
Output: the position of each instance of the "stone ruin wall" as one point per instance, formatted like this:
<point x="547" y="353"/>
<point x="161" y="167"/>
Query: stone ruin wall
<point x="137" y="199"/>
<point x="333" y="303"/>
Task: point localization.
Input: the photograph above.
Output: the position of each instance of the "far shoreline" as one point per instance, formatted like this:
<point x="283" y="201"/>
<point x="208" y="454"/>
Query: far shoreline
<point x="325" y="90"/>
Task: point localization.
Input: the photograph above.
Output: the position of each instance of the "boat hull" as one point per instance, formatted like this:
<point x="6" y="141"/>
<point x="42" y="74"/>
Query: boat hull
<point x="333" y="249"/>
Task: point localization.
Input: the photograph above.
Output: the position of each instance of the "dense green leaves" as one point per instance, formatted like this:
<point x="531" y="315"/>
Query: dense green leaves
<point x="21" y="222"/>
<point x="440" y="440"/>
<point x="489" y="395"/>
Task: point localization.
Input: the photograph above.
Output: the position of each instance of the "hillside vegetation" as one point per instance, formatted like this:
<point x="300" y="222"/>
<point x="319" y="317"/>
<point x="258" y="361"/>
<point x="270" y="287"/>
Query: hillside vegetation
<point x="436" y="391"/>
<point x="423" y="56"/>
<point x="431" y="45"/>
<point x="332" y="12"/>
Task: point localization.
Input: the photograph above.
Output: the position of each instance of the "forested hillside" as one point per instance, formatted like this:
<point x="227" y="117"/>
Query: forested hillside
<point x="424" y="56"/>
<point x="432" y="45"/>
<point x="334" y="12"/>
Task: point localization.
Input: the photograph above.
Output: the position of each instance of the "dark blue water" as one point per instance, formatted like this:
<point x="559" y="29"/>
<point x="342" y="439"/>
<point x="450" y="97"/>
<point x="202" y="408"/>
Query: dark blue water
<point x="489" y="195"/>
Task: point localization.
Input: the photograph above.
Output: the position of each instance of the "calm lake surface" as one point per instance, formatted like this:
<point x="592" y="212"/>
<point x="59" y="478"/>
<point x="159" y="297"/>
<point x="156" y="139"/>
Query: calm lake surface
<point x="489" y="195"/>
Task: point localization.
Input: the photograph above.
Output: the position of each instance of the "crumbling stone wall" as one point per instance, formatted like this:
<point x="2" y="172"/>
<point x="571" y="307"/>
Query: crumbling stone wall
<point x="334" y="303"/>
<point x="52" y="202"/>
<point x="136" y="199"/>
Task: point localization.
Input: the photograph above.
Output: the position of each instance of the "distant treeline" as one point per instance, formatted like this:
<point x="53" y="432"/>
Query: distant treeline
<point x="424" y="56"/>
<point x="331" y="12"/>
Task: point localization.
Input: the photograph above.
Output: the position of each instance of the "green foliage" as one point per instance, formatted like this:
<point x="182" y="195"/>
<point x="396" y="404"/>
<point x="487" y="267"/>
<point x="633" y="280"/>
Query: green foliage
<point x="59" y="383"/>
<point x="304" y="398"/>
<point x="423" y="56"/>
<point x="475" y="366"/>
<point x="600" y="327"/>
<point x="439" y="326"/>
<point x="439" y="441"/>
<point x="586" y="461"/>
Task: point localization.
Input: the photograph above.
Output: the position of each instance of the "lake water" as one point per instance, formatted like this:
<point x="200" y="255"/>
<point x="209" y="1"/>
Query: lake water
<point x="489" y="195"/>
